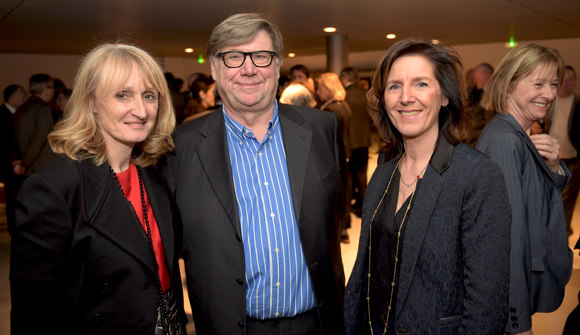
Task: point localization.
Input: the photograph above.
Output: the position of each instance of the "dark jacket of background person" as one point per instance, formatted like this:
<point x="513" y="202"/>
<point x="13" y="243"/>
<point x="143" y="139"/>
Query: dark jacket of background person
<point x="457" y="230"/>
<point x="342" y="111"/>
<point x="6" y="135"/>
<point x="32" y="124"/>
<point x="98" y="272"/>
<point x="212" y="240"/>
<point x="540" y="264"/>
<point x="360" y="127"/>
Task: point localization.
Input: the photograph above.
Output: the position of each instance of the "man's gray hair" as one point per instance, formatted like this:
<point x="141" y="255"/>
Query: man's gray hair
<point x="242" y="28"/>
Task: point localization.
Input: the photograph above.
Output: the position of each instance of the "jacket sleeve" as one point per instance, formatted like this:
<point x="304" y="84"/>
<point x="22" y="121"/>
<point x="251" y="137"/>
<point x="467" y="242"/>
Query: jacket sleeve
<point x="509" y="152"/>
<point x="32" y="135"/>
<point x="485" y="236"/>
<point x="39" y="260"/>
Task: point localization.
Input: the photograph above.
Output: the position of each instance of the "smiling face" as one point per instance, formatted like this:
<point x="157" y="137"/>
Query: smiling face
<point x="247" y="88"/>
<point x="529" y="98"/>
<point x="413" y="98"/>
<point x="127" y="116"/>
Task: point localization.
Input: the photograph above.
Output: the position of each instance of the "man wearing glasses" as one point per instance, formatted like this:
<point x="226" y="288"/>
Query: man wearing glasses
<point x="259" y="189"/>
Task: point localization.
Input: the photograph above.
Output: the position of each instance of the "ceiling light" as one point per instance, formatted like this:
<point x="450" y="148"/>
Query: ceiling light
<point x="189" y="50"/>
<point x="291" y="55"/>
<point x="391" y="36"/>
<point x="435" y="41"/>
<point x="330" y="29"/>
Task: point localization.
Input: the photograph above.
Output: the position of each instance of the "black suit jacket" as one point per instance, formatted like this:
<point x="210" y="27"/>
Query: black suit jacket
<point x="80" y="262"/>
<point x="360" y="125"/>
<point x="6" y="135"/>
<point x="32" y="124"/>
<point x="199" y="177"/>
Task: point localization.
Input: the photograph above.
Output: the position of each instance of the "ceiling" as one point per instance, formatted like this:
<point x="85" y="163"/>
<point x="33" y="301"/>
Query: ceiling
<point x="167" y="27"/>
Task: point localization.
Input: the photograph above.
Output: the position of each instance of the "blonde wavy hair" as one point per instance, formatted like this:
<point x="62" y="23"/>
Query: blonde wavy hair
<point x="330" y="80"/>
<point x="105" y="69"/>
<point x="517" y="64"/>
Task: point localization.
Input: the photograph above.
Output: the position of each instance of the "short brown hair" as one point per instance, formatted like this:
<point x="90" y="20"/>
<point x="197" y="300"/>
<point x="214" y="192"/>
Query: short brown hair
<point x="517" y="64"/>
<point x="242" y="28"/>
<point x="105" y="69"/>
<point x="455" y="119"/>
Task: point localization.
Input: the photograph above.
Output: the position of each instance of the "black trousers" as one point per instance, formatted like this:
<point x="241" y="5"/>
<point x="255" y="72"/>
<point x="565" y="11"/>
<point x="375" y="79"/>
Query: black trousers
<point x="358" y="165"/>
<point x="11" y="186"/>
<point x="307" y="323"/>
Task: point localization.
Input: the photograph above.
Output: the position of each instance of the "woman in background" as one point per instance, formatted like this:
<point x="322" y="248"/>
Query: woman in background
<point x="202" y="98"/>
<point x="523" y="89"/>
<point x="433" y="255"/>
<point x="93" y="250"/>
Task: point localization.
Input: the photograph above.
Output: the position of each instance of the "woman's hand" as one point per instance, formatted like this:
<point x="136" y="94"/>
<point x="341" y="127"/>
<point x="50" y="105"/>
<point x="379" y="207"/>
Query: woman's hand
<point x="549" y="149"/>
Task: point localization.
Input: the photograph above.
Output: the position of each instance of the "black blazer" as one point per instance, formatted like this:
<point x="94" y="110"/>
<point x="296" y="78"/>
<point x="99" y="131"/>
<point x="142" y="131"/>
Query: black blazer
<point x="199" y="178"/>
<point x="80" y="262"/>
<point x="454" y="271"/>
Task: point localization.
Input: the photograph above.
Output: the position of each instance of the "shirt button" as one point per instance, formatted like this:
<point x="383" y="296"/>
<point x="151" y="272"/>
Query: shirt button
<point x="241" y="282"/>
<point x="247" y="131"/>
<point x="240" y="324"/>
<point x="238" y="237"/>
<point x="260" y="154"/>
<point x="271" y="137"/>
<point x="277" y="314"/>
<point x="266" y="183"/>
<point x="278" y="284"/>
<point x="276" y="250"/>
<point x="241" y="143"/>
<point x="272" y="215"/>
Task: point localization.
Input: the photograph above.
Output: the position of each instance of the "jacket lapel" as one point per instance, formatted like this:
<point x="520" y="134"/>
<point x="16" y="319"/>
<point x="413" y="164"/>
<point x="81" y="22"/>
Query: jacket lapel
<point x="427" y="195"/>
<point x="297" y="143"/>
<point x="161" y="210"/>
<point x="105" y="208"/>
<point x="214" y="156"/>
<point x="514" y="123"/>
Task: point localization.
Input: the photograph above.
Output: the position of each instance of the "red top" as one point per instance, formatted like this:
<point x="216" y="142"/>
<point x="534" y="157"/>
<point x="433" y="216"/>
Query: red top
<point x="130" y="183"/>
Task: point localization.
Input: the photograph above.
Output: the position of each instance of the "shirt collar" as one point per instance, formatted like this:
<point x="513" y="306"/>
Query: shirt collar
<point x="10" y="108"/>
<point x="441" y="159"/>
<point x="240" y="131"/>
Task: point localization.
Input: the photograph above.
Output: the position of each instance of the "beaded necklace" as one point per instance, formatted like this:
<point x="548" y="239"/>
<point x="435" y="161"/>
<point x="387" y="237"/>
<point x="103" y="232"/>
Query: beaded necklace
<point x="386" y="320"/>
<point x="162" y="307"/>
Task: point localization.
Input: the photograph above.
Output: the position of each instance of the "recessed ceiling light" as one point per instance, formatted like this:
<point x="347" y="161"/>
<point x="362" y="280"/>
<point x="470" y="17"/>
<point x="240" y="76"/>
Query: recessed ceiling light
<point x="330" y="29"/>
<point x="391" y="36"/>
<point x="435" y="41"/>
<point x="189" y="50"/>
<point x="291" y="55"/>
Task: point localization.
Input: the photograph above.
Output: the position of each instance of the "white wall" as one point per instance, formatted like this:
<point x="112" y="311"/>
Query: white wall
<point x="17" y="68"/>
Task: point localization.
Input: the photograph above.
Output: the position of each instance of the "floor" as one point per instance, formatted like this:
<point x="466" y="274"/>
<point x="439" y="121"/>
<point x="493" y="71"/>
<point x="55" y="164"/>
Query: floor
<point x="544" y="323"/>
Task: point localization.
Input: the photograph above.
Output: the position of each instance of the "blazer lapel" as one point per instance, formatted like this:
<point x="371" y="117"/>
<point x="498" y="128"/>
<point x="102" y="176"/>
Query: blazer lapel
<point x="427" y="196"/>
<point x="105" y="208"/>
<point x="297" y="143"/>
<point x="214" y="156"/>
<point x="162" y="212"/>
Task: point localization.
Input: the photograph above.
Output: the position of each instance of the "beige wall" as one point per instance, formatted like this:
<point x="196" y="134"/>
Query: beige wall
<point x="17" y="68"/>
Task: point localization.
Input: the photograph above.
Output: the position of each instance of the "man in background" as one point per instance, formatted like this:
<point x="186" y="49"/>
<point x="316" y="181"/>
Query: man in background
<point x="14" y="97"/>
<point x="360" y="132"/>
<point x="481" y="117"/>
<point x="32" y="123"/>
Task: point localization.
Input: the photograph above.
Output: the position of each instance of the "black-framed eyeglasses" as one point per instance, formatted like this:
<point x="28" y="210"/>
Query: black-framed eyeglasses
<point x="261" y="58"/>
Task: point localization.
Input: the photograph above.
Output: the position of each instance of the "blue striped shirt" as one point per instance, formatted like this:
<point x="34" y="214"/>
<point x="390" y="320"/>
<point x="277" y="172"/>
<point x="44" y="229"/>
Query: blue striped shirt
<point x="277" y="278"/>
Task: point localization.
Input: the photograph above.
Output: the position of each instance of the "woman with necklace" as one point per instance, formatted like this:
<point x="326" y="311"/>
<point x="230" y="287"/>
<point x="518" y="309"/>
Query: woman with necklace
<point x="434" y="249"/>
<point x="93" y="251"/>
<point x="523" y="90"/>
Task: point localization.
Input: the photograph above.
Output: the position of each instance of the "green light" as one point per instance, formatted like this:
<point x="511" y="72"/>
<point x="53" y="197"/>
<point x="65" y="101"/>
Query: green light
<point x="200" y="59"/>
